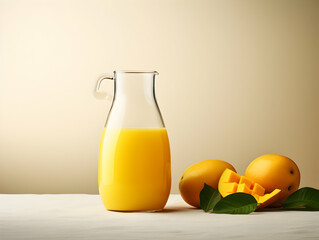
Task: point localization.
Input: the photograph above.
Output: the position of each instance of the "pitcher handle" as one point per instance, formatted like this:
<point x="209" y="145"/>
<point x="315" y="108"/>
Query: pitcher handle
<point x="102" y="95"/>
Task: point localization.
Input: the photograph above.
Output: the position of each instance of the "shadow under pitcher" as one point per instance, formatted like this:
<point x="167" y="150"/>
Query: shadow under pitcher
<point x="134" y="156"/>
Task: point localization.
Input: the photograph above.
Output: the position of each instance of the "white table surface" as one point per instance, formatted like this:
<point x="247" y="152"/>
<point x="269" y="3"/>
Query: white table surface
<point x="80" y="216"/>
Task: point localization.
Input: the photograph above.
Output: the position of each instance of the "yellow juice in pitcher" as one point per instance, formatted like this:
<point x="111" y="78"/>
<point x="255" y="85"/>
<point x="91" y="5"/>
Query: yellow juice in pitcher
<point x="134" y="169"/>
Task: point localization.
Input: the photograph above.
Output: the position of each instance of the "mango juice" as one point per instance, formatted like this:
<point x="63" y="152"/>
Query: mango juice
<point x="134" y="169"/>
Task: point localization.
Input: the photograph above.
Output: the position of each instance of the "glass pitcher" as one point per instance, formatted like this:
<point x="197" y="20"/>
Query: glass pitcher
<point x="134" y="157"/>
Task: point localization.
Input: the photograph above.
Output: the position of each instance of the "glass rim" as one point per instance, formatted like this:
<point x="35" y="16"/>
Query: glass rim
<point x="133" y="71"/>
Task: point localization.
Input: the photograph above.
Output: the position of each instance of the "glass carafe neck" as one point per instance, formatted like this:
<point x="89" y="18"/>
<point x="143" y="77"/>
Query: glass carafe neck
<point x="134" y="104"/>
<point x="135" y="86"/>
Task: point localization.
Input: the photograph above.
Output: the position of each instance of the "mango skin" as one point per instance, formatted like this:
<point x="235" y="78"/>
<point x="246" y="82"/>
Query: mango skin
<point x="273" y="171"/>
<point x="194" y="177"/>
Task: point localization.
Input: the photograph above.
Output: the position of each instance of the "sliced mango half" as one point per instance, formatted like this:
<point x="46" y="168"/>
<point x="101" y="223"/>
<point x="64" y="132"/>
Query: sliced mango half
<point x="230" y="182"/>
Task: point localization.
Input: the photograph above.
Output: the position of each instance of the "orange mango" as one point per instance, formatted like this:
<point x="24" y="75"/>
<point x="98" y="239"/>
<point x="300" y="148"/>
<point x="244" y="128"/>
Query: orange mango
<point x="194" y="177"/>
<point x="231" y="182"/>
<point x="274" y="171"/>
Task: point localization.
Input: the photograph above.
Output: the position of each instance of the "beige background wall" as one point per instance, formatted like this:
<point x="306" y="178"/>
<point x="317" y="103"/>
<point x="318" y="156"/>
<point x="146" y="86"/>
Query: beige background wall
<point x="238" y="79"/>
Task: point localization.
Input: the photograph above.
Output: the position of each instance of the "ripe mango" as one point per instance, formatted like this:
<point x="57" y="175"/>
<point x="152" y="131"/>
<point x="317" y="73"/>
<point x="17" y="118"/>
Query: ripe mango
<point x="230" y="182"/>
<point x="193" y="179"/>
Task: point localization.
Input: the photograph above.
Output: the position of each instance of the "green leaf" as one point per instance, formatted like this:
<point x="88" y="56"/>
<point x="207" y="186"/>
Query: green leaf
<point x="208" y="198"/>
<point x="236" y="203"/>
<point x="305" y="197"/>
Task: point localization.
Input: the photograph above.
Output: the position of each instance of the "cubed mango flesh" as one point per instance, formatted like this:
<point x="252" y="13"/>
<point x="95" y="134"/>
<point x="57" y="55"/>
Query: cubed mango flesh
<point x="257" y="189"/>
<point x="246" y="181"/>
<point x="242" y="187"/>
<point x="230" y="182"/>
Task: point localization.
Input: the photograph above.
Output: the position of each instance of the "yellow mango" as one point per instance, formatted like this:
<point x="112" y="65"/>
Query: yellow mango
<point x="231" y="182"/>
<point x="194" y="177"/>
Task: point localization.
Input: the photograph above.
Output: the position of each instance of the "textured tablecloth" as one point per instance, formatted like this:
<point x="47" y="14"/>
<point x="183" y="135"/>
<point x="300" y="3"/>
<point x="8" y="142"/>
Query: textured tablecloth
<point x="79" y="216"/>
